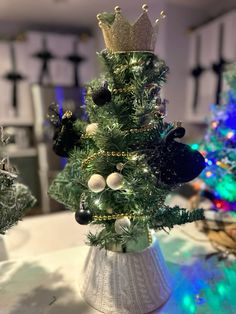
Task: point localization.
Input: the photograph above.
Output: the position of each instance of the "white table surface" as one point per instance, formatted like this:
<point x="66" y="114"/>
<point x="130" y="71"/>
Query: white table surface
<point x="43" y="234"/>
<point x="46" y="256"/>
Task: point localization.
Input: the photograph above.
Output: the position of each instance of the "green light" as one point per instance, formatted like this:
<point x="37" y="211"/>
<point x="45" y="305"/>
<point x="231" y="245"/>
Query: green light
<point x="192" y="308"/>
<point x="221" y="289"/>
<point x="187" y="300"/>
<point x="189" y="304"/>
<point x="195" y="146"/>
<point x="227" y="188"/>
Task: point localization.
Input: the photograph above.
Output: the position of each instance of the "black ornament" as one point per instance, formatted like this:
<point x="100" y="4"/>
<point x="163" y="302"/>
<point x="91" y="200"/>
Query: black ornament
<point x="102" y="95"/>
<point x="83" y="216"/>
<point x="65" y="136"/>
<point x="174" y="163"/>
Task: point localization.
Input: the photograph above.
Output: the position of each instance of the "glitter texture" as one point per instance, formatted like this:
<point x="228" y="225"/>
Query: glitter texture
<point x="121" y="36"/>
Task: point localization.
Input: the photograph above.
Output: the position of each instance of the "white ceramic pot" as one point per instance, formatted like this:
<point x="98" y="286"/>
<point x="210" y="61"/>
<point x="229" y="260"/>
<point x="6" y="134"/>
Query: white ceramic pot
<point x="123" y="283"/>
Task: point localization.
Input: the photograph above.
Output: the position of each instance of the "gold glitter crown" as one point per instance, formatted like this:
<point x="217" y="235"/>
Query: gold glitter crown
<point x="120" y="36"/>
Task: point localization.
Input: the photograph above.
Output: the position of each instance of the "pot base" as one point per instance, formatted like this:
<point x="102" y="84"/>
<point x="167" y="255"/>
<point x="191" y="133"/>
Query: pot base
<point x="125" y="283"/>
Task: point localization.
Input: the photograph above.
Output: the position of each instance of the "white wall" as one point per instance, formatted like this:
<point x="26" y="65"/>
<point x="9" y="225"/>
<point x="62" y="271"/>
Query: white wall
<point x="180" y="19"/>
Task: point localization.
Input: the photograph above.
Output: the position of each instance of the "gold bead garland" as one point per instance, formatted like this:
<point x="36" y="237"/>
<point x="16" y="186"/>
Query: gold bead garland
<point x="146" y="128"/>
<point x="103" y="153"/>
<point x="123" y="90"/>
<point x="118" y="216"/>
<point x="143" y="129"/>
<point x="126" y="89"/>
<point x="86" y="135"/>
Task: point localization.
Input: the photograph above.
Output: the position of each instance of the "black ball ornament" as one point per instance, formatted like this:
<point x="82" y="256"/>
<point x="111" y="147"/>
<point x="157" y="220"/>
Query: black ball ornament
<point x="174" y="163"/>
<point x="102" y="95"/>
<point x="83" y="216"/>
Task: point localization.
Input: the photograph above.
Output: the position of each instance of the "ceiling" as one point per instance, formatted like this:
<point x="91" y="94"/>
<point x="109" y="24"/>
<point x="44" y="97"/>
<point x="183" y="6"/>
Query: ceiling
<point x="82" y="13"/>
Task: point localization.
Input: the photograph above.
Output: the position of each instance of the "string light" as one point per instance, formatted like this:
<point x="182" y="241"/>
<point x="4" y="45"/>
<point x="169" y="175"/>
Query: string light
<point x="218" y="204"/>
<point x="195" y="146"/>
<point x="222" y="165"/>
<point x="134" y="157"/>
<point x="209" y="162"/>
<point x="97" y="202"/>
<point x="229" y="135"/>
<point x="208" y="174"/>
<point x="214" y="124"/>
<point x="128" y="191"/>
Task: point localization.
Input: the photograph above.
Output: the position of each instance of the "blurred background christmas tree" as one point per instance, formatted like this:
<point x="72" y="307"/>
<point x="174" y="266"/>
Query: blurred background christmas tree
<point x="219" y="148"/>
<point x="15" y="198"/>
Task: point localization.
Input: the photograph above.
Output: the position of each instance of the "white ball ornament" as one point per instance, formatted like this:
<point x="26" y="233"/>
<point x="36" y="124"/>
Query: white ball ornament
<point x="96" y="183"/>
<point x="91" y="129"/>
<point x="115" y="181"/>
<point x="121" y="224"/>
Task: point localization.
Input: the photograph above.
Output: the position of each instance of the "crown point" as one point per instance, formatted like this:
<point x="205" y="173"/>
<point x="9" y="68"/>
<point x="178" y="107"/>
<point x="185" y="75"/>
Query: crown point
<point x="117" y="9"/>
<point x="145" y="7"/>
<point x="157" y="21"/>
<point x="163" y="14"/>
<point x="178" y="124"/>
<point x="100" y="24"/>
<point x="99" y="16"/>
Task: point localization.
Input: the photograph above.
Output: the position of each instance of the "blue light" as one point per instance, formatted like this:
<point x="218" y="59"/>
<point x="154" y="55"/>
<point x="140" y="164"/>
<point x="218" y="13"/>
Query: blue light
<point x="83" y="99"/>
<point x="60" y="99"/>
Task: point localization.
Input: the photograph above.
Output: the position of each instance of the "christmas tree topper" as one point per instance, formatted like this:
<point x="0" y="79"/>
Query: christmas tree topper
<point x="121" y="36"/>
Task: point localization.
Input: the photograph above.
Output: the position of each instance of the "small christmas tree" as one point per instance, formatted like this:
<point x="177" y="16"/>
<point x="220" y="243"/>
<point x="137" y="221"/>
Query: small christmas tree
<point x="219" y="148"/>
<point x="126" y="160"/>
<point x="15" y="198"/>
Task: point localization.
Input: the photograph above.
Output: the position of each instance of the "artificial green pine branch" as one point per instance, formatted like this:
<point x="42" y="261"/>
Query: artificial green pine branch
<point x="170" y="216"/>
<point x="131" y="125"/>
<point x="15" y="198"/>
<point x="15" y="201"/>
<point x="108" y="236"/>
